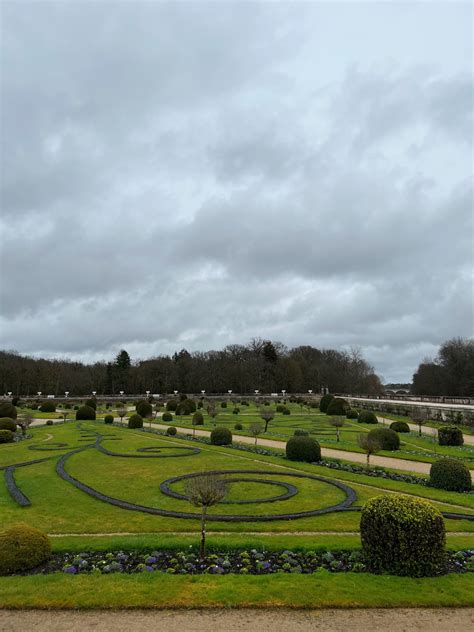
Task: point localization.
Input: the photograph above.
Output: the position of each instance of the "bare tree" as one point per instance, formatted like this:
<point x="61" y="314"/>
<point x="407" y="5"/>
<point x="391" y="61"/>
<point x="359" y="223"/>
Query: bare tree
<point x="205" y="491"/>
<point x="255" y="429"/>
<point x="121" y="412"/>
<point x="24" y="421"/>
<point x="337" y="423"/>
<point x="65" y="415"/>
<point x="369" y="445"/>
<point x="420" y="417"/>
<point x="212" y="412"/>
<point x="267" y="415"/>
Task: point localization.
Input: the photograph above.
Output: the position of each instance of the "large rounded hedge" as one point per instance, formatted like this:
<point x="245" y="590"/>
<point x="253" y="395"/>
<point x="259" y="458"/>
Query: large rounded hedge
<point x="6" y="436"/>
<point x="7" y="424"/>
<point x="303" y="449"/>
<point x="172" y="405"/>
<point x="92" y="403"/>
<point x="386" y="438"/>
<point x="221" y="436"/>
<point x="450" y="435"/>
<point x="135" y="421"/>
<point x="367" y="417"/>
<point x="451" y="475"/>
<point x="403" y="536"/>
<point x="325" y="401"/>
<point x="23" y="548"/>
<point x="8" y="410"/>
<point x="85" y="413"/>
<point x="337" y="406"/>
<point x="166" y="416"/>
<point x="144" y="409"/>
<point x="108" y="419"/>
<point x="352" y="413"/>
<point x="198" y="419"/>
<point x="400" y="426"/>
<point x="48" y="407"/>
<point x="186" y="407"/>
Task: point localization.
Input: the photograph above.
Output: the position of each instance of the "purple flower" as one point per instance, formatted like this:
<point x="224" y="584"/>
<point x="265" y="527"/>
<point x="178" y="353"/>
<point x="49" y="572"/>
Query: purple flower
<point x="70" y="569"/>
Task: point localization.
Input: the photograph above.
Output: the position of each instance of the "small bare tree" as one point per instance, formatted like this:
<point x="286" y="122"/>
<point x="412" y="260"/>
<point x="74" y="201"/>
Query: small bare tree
<point x="420" y="417"/>
<point x="121" y="412"/>
<point x="369" y="445"/>
<point x="255" y="429"/>
<point x="337" y="423"/>
<point x="205" y="491"/>
<point x="267" y="415"/>
<point x="24" y="421"/>
<point x="212" y="412"/>
<point x="64" y="415"/>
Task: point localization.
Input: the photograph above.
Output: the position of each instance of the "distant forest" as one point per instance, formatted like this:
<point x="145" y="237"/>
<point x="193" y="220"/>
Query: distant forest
<point x="450" y="373"/>
<point x="261" y="364"/>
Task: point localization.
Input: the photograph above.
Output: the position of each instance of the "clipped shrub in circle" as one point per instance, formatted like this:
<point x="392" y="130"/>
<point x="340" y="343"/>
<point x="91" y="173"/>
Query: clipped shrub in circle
<point x="304" y="449"/>
<point x="85" y="413"/>
<point x="108" y="419"/>
<point x="6" y="436"/>
<point x="450" y="435"/>
<point x="23" y="548"/>
<point x="403" y="535"/>
<point x="221" y="436"/>
<point x="198" y="419"/>
<point x="352" y="413"/>
<point x="280" y="408"/>
<point x="7" y="424"/>
<point x="236" y="411"/>
<point x="186" y="407"/>
<point x="8" y="410"/>
<point x="386" y="438"/>
<point x="135" y="421"/>
<point x="325" y="401"/>
<point x="451" y="475"/>
<point x="172" y="405"/>
<point x="286" y="411"/>
<point x="337" y="406"/>
<point x="144" y="409"/>
<point x="92" y="403"/>
<point x="400" y="426"/>
<point x="238" y="427"/>
<point x="49" y="422"/>
<point x="367" y="417"/>
<point x="48" y="407"/>
<point x="223" y="404"/>
<point x="167" y="416"/>
<point x="171" y="430"/>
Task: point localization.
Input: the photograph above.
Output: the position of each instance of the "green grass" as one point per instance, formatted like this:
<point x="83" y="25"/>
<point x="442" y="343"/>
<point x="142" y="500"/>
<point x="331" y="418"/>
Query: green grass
<point x="320" y="590"/>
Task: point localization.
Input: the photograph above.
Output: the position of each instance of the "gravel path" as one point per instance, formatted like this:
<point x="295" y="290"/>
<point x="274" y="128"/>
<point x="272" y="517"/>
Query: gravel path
<point x="245" y="620"/>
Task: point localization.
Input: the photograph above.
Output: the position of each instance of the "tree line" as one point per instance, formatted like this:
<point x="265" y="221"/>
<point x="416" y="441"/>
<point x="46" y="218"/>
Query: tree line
<point x="261" y="364"/>
<point x="450" y="373"/>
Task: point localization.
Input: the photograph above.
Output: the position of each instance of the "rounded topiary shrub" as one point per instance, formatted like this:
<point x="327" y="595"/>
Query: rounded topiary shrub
<point x="386" y="438"/>
<point x="450" y="435"/>
<point x="236" y="411"/>
<point x="301" y="433"/>
<point x="16" y="401"/>
<point x="403" y="536"/>
<point x="172" y="405"/>
<point x="23" y="548"/>
<point x="223" y="404"/>
<point x="8" y="410"/>
<point x="280" y="408"/>
<point x="135" y="421"/>
<point x="198" y="419"/>
<point x="400" y="426"/>
<point x="238" y="427"/>
<point x="92" y="403"/>
<point x="167" y="417"/>
<point x="144" y="409"/>
<point x="451" y="475"/>
<point x="85" y="413"/>
<point x="49" y="422"/>
<point x="367" y="417"/>
<point x="351" y="413"/>
<point x="186" y="407"/>
<point x="6" y="436"/>
<point x="325" y="401"/>
<point x="303" y="449"/>
<point x="221" y="436"/>
<point x="48" y="407"/>
<point x="108" y="419"/>
<point x="286" y="411"/>
<point x="171" y="431"/>
<point x="337" y="406"/>
<point x="7" y="424"/>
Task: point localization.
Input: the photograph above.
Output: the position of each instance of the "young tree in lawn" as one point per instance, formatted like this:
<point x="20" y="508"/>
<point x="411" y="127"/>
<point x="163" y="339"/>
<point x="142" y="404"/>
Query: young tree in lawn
<point x="205" y="491"/>
<point x="255" y="429"/>
<point x="24" y="421"/>
<point x="337" y="423"/>
<point x="121" y="412"/>
<point x="369" y="445"/>
<point x="65" y="415"/>
<point x="267" y="415"/>
<point x="212" y="412"/>
<point x="420" y="417"/>
<point x="156" y="409"/>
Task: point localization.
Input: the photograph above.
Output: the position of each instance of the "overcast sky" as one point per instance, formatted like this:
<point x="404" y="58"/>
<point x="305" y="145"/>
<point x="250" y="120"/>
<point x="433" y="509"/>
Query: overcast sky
<point x="198" y="174"/>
